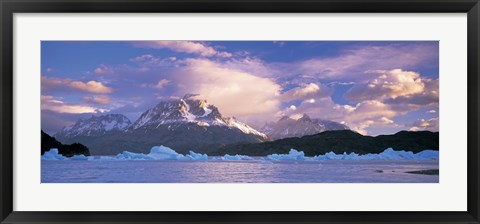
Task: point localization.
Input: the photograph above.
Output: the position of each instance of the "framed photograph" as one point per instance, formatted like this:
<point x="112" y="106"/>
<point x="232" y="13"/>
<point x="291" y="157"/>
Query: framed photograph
<point x="230" y="111"/>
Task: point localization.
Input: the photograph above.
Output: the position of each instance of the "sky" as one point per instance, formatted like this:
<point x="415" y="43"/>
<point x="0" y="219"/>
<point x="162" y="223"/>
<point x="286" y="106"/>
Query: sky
<point x="374" y="87"/>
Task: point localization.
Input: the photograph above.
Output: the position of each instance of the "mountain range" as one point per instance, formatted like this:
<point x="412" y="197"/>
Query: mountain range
<point x="193" y="124"/>
<point x="184" y="124"/>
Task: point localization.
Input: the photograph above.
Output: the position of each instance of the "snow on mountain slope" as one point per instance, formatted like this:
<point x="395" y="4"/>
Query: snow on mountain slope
<point x="188" y="110"/>
<point x="95" y="125"/>
<point x="287" y="127"/>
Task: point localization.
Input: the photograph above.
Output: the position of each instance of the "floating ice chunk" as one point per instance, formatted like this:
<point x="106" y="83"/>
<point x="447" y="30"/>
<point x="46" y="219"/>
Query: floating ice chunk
<point x="164" y="153"/>
<point x="351" y="156"/>
<point x="235" y="157"/>
<point x="292" y="155"/>
<point x="265" y="162"/>
<point x="161" y="153"/>
<point x="390" y="154"/>
<point x="333" y="156"/>
<point x="197" y="156"/>
<point x="327" y="156"/>
<point x="52" y="154"/>
<point x="427" y="155"/>
<point x="126" y="155"/>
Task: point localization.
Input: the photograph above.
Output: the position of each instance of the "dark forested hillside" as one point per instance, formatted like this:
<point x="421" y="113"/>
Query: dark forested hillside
<point x="339" y="142"/>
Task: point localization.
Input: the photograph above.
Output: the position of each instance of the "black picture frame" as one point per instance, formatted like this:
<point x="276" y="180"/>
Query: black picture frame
<point x="9" y="7"/>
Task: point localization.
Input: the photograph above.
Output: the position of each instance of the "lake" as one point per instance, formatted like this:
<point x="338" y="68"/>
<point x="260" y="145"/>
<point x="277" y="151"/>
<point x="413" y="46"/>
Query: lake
<point x="251" y="171"/>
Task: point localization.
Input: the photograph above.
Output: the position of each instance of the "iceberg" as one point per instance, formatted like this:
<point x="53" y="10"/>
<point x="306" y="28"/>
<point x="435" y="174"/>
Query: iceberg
<point x="292" y="155"/>
<point x="161" y="153"/>
<point x="333" y="156"/>
<point x="427" y="155"/>
<point x="390" y="154"/>
<point x="197" y="156"/>
<point x="126" y="155"/>
<point x="52" y="154"/>
<point x="164" y="153"/>
<point x="235" y="157"/>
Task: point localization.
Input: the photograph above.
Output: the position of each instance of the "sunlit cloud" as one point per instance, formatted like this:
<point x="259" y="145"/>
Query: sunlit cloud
<point x="235" y="92"/>
<point x="89" y="86"/>
<point x="431" y="124"/>
<point x="57" y="105"/>
<point x="306" y="92"/>
<point x="387" y="84"/>
<point x="359" y="117"/>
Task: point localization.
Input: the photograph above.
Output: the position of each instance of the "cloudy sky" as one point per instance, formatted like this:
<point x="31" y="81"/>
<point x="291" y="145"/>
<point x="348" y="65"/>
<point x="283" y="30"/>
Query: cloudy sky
<point x="373" y="87"/>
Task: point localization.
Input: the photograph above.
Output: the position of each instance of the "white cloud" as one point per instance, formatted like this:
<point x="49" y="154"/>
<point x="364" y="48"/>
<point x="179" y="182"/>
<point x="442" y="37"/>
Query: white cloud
<point x="189" y="47"/>
<point x="359" y="117"/>
<point x="90" y="86"/>
<point x="235" y="92"/>
<point x="253" y="66"/>
<point x="306" y="92"/>
<point x="387" y="84"/>
<point x="431" y="124"/>
<point x="57" y="105"/>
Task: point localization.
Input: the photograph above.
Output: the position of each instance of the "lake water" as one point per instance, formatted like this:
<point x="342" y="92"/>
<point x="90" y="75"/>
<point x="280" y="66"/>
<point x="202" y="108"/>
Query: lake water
<point x="253" y="171"/>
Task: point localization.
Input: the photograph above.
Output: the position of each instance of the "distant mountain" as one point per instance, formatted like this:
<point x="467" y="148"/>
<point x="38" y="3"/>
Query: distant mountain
<point x="48" y="142"/>
<point x="95" y="126"/>
<point x="339" y="142"/>
<point x="287" y="127"/>
<point x="184" y="124"/>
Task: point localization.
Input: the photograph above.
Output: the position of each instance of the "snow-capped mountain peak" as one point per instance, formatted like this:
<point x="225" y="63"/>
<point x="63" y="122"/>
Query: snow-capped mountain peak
<point x="178" y="111"/>
<point x="287" y="127"/>
<point x="96" y="125"/>
<point x="188" y="110"/>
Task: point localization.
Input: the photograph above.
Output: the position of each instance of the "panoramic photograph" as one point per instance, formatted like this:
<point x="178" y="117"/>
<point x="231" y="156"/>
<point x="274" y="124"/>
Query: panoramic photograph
<point x="181" y="111"/>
